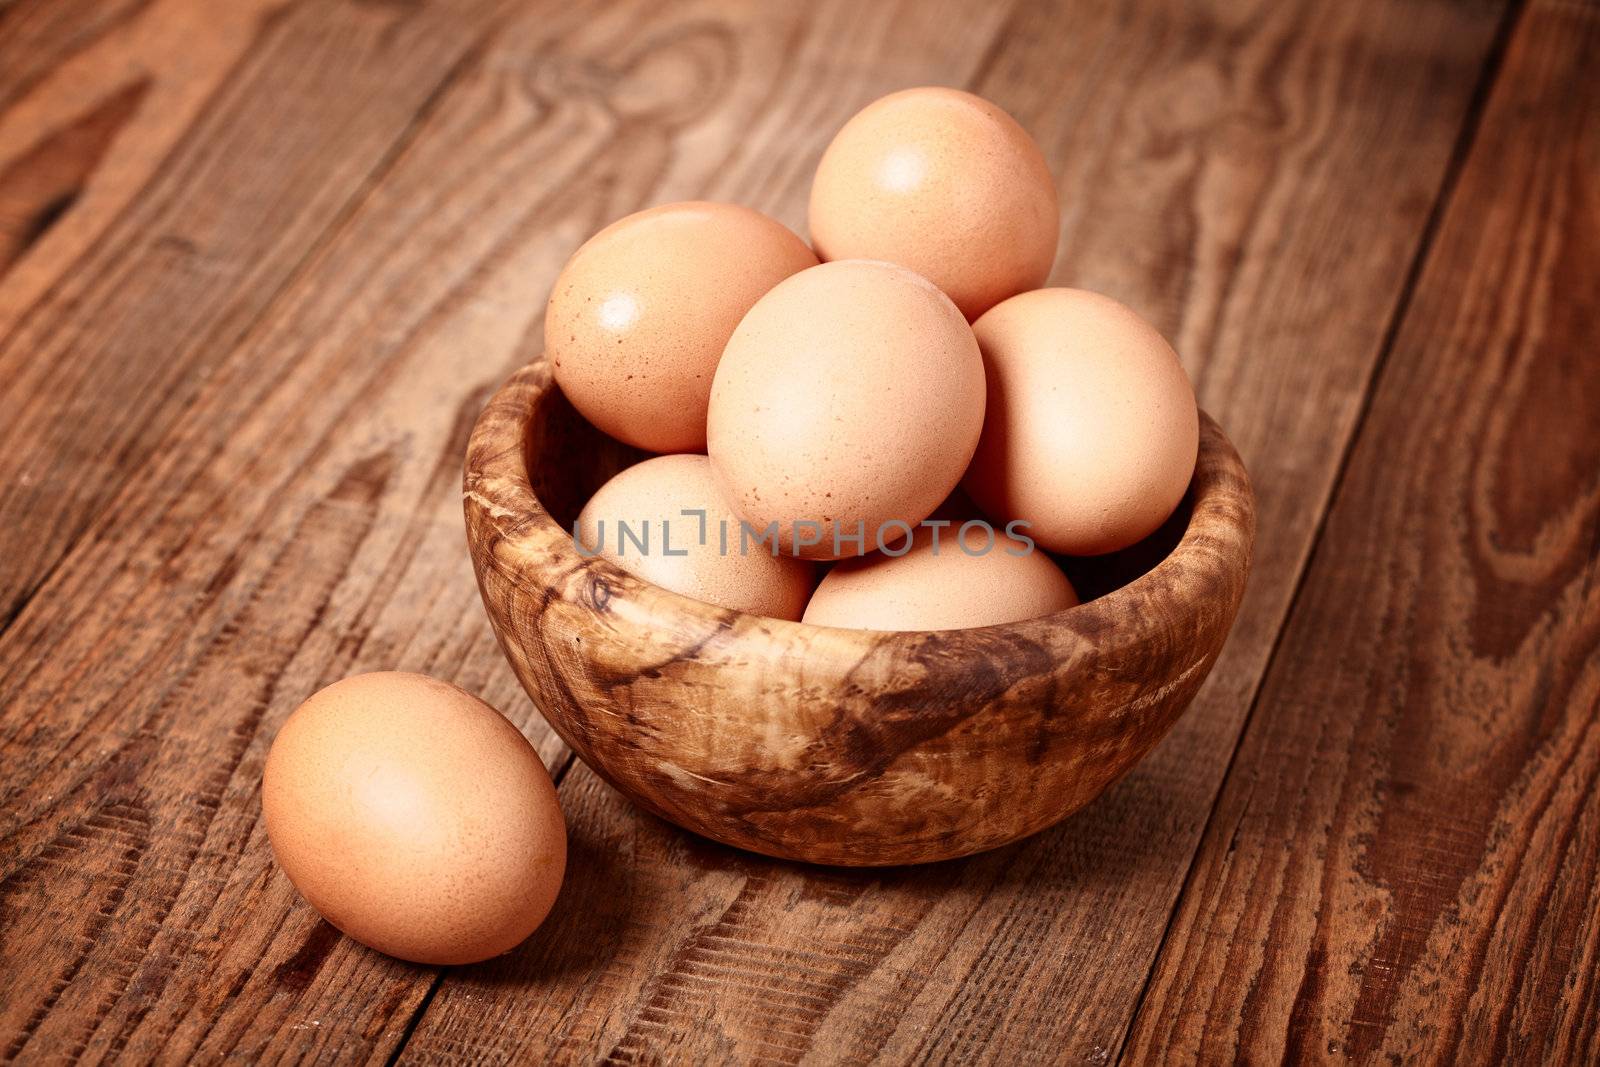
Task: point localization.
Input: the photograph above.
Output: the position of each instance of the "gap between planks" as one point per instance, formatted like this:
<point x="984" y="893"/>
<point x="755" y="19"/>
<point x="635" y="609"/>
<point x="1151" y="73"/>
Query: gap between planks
<point x="1472" y="121"/>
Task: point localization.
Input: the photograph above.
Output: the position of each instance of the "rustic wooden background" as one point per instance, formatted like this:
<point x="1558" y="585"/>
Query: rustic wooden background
<point x="261" y="262"/>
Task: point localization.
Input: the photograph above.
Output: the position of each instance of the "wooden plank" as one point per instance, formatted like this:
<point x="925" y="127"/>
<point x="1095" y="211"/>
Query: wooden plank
<point x="38" y="36"/>
<point x="154" y="209"/>
<point x="42" y="184"/>
<point x="1259" y="184"/>
<point x="90" y="105"/>
<point x="302" y="520"/>
<point x="1405" y="864"/>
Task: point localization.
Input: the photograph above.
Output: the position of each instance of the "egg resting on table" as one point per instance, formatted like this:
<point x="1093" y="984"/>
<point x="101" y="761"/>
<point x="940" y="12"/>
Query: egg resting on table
<point x="1092" y="429"/>
<point x="698" y="555"/>
<point x="945" y="183"/>
<point x="850" y="397"/>
<point x="639" y="315"/>
<point x="949" y="578"/>
<point x="415" y="818"/>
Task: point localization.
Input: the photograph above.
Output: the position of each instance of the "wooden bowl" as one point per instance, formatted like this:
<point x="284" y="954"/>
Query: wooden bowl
<point x="834" y="746"/>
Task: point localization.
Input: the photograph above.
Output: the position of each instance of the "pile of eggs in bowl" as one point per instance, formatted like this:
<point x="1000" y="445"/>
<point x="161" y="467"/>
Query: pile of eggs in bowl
<point x="898" y="405"/>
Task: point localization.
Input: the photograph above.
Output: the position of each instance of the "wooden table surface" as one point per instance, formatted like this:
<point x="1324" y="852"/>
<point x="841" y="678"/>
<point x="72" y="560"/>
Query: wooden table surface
<point x="262" y="261"/>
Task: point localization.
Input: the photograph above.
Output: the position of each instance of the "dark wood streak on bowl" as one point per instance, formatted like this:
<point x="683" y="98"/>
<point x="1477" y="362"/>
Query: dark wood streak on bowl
<point x="833" y="746"/>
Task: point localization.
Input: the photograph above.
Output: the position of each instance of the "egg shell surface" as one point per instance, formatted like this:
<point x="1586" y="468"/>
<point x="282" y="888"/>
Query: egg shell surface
<point x="945" y="183"/>
<point x="699" y="555"/>
<point x="415" y="818"/>
<point x="639" y="316"/>
<point x="849" y="397"/>
<point x="950" y="578"/>
<point x="1092" y="428"/>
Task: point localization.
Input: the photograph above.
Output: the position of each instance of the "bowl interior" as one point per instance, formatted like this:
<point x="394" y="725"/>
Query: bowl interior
<point x="568" y="460"/>
<point x="831" y="745"/>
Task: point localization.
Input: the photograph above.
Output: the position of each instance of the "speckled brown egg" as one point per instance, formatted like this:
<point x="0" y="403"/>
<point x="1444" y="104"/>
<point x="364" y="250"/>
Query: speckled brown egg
<point x="666" y="521"/>
<point x="948" y="578"/>
<point x="850" y="397"/>
<point x="945" y="183"/>
<point x="1092" y="429"/>
<point x="415" y="818"/>
<point x="639" y="316"/>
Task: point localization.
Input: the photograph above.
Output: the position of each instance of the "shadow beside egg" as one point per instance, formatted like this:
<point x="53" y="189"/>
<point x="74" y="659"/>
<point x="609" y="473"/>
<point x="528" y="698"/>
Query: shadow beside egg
<point x="574" y="458"/>
<point x="594" y="913"/>
<point x="1095" y="576"/>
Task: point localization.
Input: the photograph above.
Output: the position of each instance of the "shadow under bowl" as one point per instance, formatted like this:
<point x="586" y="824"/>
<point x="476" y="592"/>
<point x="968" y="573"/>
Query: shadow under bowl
<point x="846" y="747"/>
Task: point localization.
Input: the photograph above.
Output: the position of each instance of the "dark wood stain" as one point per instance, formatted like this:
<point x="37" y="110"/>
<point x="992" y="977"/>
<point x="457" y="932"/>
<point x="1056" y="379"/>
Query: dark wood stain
<point x="296" y="972"/>
<point x="42" y="184"/>
<point x="39" y="36"/>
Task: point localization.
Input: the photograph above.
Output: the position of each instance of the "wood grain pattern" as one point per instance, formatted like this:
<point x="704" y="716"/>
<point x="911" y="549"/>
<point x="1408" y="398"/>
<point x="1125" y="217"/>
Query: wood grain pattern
<point x="825" y="745"/>
<point x="1263" y="209"/>
<point x="1403" y="867"/>
<point x="302" y="521"/>
<point x="267" y="499"/>
<point x="314" y="102"/>
<point x="92" y="106"/>
<point x="37" y="37"/>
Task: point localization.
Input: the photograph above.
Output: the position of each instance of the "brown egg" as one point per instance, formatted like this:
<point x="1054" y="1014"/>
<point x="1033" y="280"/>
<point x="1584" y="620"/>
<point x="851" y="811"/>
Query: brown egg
<point x="949" y="578"/>
<point x="1092" y="428"/>
<point x="945" y="183"/>
<point x="850" y="397"/>
<point x="415" y="818"/>
<point x="639" y="316"/>
<point x="666" y="521"/>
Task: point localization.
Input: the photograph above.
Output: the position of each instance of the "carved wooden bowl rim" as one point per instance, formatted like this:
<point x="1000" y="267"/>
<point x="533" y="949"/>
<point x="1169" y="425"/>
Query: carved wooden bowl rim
<point x="957" y="704"/>
<point x="1217" y="541"/>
